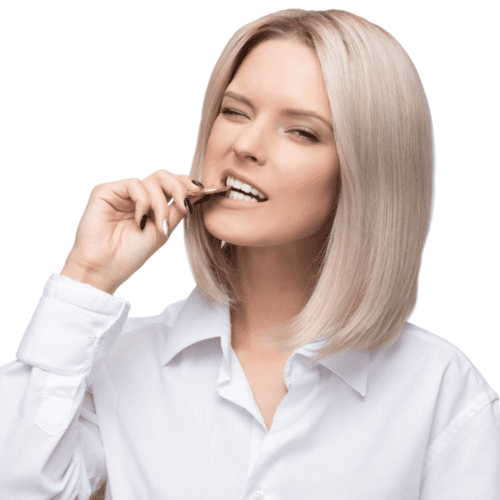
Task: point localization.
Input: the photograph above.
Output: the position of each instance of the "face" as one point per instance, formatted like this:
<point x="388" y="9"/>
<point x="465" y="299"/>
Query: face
<point x="273" y="134"/>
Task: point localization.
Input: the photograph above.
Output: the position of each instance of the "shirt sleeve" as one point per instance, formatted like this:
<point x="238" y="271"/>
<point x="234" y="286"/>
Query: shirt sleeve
<point x="49" y="435"/>
<point x="469" y="466"/>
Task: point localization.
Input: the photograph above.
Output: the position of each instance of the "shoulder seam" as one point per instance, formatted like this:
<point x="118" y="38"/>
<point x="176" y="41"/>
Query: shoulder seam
<point x="450" y="433"/>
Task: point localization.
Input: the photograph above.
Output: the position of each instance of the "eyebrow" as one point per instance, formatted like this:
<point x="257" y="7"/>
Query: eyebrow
<point x="287" y="111"/>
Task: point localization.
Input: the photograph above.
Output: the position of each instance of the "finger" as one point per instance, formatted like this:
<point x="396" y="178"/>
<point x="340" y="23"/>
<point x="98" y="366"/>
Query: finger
<point x="158" y="201"/>
<point x="192" y="186"/>
<point x="175" y="215"/>
<point x="197" y="183"/>
<point x="173" y="187"/>
<point x="164" y="186"/>
<point x="134" y="190"/>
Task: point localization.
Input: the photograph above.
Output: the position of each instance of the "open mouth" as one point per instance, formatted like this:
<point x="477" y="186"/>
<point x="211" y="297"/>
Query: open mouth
<point x="243" y="192"/>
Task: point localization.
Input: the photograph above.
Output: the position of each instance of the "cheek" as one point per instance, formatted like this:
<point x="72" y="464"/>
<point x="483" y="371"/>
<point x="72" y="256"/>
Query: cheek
<point x="218" y="149"/>
<point x="309" y="209"/>
<point x="218" y="138"/>
<point x="312" y="197"/>
<point x="210" y="175"/>
<point x="314" y="181"/>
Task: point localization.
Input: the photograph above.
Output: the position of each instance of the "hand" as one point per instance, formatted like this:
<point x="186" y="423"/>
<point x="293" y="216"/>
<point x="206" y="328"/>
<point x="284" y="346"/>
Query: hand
<point x="110" y="245"/>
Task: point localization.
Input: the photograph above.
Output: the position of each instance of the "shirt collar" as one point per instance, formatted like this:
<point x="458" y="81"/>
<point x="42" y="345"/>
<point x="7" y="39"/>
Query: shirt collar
<point x="201" y="319"/>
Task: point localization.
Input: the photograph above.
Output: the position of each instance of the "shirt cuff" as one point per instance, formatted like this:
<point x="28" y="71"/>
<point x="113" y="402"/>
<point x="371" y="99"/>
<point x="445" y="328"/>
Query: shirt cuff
<point x="66" y="333"/>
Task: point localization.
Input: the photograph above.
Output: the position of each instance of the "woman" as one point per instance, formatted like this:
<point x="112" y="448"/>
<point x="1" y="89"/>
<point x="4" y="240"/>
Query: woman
<point x="290" y="371"/>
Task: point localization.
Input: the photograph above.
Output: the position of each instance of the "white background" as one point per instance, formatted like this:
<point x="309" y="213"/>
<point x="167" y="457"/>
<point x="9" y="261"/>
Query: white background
<point x="96" y="91"/>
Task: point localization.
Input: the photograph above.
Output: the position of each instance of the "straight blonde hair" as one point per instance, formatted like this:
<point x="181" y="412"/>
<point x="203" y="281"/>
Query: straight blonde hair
<point x="367" y="282"/>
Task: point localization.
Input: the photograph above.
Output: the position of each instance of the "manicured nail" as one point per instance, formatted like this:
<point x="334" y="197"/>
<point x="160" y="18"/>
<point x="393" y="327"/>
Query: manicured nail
<point x="165" y="227"/>
<point x="198" y="183"/>
<point x="143" y="221"/>
<point x="188" y="205"/>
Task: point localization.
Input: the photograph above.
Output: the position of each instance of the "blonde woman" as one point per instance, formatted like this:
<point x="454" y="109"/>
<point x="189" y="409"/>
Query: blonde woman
<point x="290" y="372"/>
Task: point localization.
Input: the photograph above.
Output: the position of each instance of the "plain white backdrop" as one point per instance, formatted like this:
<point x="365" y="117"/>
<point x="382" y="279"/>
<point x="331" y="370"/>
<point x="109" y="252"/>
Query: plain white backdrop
<point x="97" y="91"/>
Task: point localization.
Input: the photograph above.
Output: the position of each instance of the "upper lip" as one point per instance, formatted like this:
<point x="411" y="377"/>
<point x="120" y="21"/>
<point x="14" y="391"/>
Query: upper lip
<point x="231" y="173"/>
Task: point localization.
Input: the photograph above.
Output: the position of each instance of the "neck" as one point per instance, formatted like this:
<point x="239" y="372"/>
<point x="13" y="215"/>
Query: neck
<point x="274" y="284"/>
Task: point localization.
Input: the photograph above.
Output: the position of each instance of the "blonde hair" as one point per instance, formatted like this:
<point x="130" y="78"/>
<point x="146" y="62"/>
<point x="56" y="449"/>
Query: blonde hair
<point x="368" y="278"/>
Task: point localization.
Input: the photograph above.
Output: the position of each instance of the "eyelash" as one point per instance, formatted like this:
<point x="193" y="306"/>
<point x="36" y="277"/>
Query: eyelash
<point x="308" y="135"/>
<point x="229" y="111"/>
<point x="305" y="133"/>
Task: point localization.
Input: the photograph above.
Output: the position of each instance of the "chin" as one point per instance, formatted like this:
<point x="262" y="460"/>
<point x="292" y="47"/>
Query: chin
<point x="242" y="236"/>
<point x="245" y="231"/>
<point x="232" y="237"/>
<point x="238" y="236"/>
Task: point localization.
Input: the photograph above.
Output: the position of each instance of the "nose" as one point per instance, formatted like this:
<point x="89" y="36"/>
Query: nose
<point x="250" y="144"/>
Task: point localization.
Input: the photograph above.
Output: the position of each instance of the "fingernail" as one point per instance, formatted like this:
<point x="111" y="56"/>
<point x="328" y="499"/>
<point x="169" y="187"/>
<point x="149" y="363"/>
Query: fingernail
<point x="165" y="227"/>
<point x="143" y="221"/>
<point x="198" y="183"/>
<point x="188" y="205"/>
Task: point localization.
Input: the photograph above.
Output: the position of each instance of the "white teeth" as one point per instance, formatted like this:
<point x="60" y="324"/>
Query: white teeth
<point x="235" y="195"/>
<point x="231" y="181"/>
<point x="240" y="196"/>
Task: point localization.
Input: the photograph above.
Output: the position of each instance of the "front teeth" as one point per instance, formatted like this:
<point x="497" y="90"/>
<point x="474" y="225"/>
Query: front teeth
<point x="240" y="196"/>
<point x="231" y="181"/>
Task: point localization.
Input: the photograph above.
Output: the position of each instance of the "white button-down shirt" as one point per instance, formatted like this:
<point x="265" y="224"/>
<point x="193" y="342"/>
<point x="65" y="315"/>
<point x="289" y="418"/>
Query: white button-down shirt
<point x="162" y="409"/>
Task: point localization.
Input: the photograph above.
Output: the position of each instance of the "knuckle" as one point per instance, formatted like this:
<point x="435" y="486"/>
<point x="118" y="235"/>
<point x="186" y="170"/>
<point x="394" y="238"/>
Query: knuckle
<point x="96" y="190"/>
<point x="164" y="173"/>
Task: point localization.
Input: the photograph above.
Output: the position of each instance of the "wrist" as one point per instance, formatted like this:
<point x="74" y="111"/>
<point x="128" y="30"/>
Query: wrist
<point x="82" y="274"/>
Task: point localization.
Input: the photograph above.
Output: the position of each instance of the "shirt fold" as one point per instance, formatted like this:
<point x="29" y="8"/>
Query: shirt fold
<point x="160" y="407"/>
<point x="49" y="447"/>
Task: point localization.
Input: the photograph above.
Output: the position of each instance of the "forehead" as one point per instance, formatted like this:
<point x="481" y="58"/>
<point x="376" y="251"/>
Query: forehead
<point x="283" y="72"/>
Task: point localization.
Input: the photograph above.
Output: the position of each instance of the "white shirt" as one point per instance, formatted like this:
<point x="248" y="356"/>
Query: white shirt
<point x="173" y="417"/>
